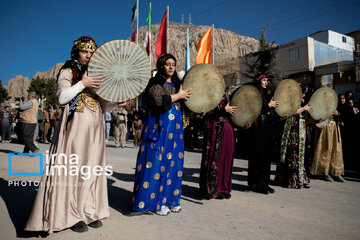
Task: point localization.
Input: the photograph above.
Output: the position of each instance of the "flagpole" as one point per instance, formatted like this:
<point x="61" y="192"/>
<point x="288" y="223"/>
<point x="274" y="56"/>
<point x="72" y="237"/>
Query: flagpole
<point x="137" y="22"/>
<point x="150" y="39"/>
<point x="212" y="42"/>
<point x="187" y="57"/>
<point x="167" y="28"/>
<point x="137" y="43"/>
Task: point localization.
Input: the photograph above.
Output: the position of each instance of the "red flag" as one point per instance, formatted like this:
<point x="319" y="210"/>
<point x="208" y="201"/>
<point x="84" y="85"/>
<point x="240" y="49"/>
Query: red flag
<point x="161" y="40"/>
<point x="134" y="22"/>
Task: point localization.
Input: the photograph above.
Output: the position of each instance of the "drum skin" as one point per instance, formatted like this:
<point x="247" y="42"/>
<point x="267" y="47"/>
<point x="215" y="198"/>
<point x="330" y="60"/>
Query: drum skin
<point x="288" y="93"/>
<point x="323" y="102"/>
<point x="208" y="87"/>
<point x="248" y="101"/>
<point x="124" y="68"/>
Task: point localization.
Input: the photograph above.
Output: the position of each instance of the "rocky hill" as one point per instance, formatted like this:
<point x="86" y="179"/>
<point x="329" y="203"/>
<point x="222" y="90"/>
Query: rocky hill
<point x="18" y="86"/>
<point x="51" y="74"/>
<point x="228" y="47"/>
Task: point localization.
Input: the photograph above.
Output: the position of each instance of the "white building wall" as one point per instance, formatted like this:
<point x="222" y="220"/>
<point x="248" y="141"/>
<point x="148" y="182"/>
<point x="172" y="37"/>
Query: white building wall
<point x="311" y="53"/>
<point x="296" y="56"/>
<point x="341" y="41"/>
<point x="335" y="39"/>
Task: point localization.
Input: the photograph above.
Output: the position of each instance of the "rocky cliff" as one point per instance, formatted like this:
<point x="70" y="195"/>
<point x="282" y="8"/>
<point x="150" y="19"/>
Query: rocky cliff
<point x="228" y="47"/>
<point x="18" y="86"/>
<point x="51" y="74"/>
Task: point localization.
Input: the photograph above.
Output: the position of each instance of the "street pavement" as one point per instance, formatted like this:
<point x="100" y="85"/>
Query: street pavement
<point x="328" y="210"/>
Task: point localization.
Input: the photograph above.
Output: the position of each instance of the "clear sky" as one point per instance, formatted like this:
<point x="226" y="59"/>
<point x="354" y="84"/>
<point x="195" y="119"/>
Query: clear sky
<point x="37" y="34"/>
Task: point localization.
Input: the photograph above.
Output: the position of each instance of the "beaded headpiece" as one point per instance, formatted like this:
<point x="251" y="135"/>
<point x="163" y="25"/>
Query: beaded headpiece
<point x="85" y="43"/>
<point x="81" y="44"/>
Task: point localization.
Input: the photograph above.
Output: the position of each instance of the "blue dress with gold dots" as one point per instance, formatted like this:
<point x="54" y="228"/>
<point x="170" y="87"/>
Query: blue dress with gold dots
<point x="160" y="161"/>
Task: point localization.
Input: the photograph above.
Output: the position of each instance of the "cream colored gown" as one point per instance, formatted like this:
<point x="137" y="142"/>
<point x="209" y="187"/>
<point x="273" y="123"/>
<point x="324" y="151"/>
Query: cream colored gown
<point x="62" y="201"/>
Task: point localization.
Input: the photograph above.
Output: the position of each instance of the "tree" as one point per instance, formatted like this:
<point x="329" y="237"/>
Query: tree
<point x="46" y="87"/>
<point x="264" y="60"/>
<point x="4" y="95"/>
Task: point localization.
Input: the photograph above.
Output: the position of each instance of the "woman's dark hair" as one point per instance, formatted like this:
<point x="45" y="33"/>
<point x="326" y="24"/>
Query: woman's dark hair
<point x="339" y="98"/>
<point x="348" y="94"/>
<point x="264" y="92"/>
<point x="160" y="65"/>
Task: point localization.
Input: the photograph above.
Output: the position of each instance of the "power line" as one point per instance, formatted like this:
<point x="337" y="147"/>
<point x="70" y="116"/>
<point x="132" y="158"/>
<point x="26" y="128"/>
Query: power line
<point x="298" y="16"/>
<point x="273" y="15"/>
<point x="329" y="12"/>
<point x="208" y="9"/>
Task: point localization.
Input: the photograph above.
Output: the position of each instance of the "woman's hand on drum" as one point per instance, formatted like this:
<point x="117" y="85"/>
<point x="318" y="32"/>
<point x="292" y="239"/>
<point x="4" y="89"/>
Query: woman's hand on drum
<point x="124" y="104"/>
<point x="247" y="126"/>
<point x="91" y="82"/>
<point x="308" y="108"/>
<point x="128" y="102"/>
<point x="230" y="109"/>
<point x="202" y="115"/>
<point x="185" y="94"/>
<point x="273" y="103"/>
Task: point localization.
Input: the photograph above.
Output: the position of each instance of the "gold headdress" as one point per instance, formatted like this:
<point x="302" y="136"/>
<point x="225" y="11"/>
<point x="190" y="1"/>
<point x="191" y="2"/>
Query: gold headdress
<point x="81" y="44"/>
<point x="84" y="45"/>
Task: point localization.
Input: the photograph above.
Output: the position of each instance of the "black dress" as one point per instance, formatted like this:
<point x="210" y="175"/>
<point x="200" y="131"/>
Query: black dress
<point x="261" y="148"/>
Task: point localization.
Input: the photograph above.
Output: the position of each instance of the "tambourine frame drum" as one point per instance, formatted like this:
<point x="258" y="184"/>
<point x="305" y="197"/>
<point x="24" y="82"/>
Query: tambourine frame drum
<point x="288" y="93"/>
<point x="248" y="101"/>
<point x="208" y="87"/>
<point x="323" y="102"/>
<point x="124" y="68"/>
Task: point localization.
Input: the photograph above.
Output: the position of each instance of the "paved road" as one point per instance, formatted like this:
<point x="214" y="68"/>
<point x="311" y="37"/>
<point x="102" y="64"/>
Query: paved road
<point x="325" y="211"/>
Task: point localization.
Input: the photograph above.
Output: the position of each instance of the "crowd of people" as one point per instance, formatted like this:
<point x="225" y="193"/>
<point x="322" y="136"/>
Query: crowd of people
<point x="30" y="122"/>
<point x="301" y="147"/>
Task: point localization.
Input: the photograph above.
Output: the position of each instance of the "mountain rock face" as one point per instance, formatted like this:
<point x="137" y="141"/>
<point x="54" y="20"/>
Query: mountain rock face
<point x="227" y="45"/>
<point x="51" y="74"/>
<point x="228" y="48"/>
<point x="18" y="86"/>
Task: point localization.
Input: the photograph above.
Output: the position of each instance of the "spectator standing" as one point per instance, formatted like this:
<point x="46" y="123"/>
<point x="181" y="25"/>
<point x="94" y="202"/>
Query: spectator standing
<point x="6" y="120"/>
<point x="120" y="115"/>
<point x="28" y="122"/>
<point x="108" y="120"/>
<point x="40" y="120"/>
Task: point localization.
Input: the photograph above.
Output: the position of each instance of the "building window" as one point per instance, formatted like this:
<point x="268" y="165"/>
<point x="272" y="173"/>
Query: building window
<point x="344" y="39"/>
<point x="294" y="55"/>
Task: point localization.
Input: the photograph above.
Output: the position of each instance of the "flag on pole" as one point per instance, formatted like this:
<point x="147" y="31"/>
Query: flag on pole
<point x="134" y="22"/>
<point x="204" y="47"/>
<point x="187" y="58"/>
<point x="161" y="40"/>
<point x="148" y="33"/>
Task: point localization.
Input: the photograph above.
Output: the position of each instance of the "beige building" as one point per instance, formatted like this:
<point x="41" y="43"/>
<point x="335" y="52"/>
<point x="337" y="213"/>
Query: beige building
<point x="323" y="58"/>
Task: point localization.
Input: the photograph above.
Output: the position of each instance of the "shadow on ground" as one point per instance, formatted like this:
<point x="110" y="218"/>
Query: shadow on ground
<point x="19" y="201"/>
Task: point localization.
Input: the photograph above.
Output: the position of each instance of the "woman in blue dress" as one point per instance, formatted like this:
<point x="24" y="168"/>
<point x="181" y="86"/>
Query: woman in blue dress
<point x="160" y="160"/>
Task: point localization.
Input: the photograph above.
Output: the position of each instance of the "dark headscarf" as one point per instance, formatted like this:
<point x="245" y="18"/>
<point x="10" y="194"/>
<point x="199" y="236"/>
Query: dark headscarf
<point x="78" y="70"/>
<point x="160" y="77"/>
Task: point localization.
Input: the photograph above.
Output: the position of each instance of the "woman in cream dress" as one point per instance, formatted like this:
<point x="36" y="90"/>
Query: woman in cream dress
<point x="73" y="193"/>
